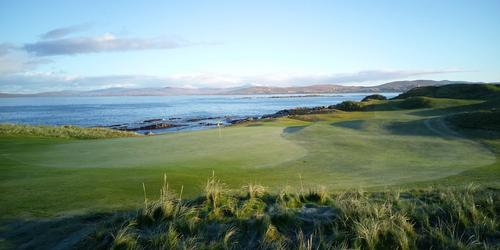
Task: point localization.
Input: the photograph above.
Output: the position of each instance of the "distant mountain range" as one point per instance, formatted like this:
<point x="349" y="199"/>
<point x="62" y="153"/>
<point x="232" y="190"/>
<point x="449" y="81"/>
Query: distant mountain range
<point x="397" y="86"/>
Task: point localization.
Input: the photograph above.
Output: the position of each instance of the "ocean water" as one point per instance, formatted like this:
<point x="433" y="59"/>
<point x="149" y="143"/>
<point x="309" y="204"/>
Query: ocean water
<point x="192" y="112"/>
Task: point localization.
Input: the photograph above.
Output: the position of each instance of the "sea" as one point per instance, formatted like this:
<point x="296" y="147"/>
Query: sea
<point x="187" y="112"/>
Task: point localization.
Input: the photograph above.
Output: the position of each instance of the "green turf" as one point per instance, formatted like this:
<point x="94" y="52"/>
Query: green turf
<point x="377" y="149"/>
<point x="457" y="91"/>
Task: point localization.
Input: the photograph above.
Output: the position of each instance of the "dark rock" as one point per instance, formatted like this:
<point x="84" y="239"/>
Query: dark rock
<point x="297" y="96"/>
<point x="298" y="111"/>
<point x="153" y="126"/>
<point x="238" y="121"/>
<point x="152" y="120"/>
<point x="207" y="124"/>
<point x="116" y="125"/>
<point x="198" y="119"/>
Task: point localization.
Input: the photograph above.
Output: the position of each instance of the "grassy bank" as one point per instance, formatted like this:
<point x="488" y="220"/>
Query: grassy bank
<point x="463" y="217"/>
<point x="314" y="219"/>
<point x="66" y="132"/>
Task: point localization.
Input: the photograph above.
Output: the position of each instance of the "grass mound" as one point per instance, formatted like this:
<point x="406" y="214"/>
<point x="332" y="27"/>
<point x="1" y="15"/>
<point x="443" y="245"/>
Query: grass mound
<point x="416" y="103"/>
<point x="374" y="97"/>
<point x="349" y="106"/>
<point x="456" y="91"/>
<point x="254" y="219"/>
<point x="380" y="104"/>
<point x="17" y="130"/>
<point x="489" y="120"/>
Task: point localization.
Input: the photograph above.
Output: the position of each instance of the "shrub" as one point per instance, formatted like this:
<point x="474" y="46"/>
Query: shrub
<point x="374" y="97"/>
<point x="416" y="103"/>
<point x="349" y="106"/>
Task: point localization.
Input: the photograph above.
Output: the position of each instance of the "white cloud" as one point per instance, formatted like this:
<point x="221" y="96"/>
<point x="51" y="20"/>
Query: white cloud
<point x="12" y="62"/>
<point x="64" y="31"/>
<point x="97" y="44"/>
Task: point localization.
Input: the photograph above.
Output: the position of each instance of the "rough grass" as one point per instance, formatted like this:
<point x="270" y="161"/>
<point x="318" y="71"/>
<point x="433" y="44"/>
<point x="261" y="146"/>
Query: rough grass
<point x="413" y="102"/>
<point x="486" y="119"/>
<point x="456" y="91"/>
<point x="67" y="132"/>
<point x="433" y="218"/>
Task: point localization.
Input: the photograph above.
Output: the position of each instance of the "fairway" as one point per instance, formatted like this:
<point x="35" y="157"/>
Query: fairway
<point x="338" y="150"/>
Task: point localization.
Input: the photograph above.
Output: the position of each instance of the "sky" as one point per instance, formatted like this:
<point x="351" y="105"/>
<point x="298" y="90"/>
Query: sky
<point x="83" y="45"/>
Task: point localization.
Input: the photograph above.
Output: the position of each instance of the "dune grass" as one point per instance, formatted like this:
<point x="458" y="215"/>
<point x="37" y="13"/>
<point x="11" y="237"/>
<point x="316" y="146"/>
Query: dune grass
<point x="66" y="132"/>
<point x="252" y="218"/>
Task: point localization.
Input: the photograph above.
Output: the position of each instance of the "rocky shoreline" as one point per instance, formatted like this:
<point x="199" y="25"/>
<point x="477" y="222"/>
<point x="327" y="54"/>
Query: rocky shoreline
<point x="194" y="123"/>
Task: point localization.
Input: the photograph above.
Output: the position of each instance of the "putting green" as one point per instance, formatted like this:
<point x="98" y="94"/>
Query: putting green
<point x="234" y="147"/>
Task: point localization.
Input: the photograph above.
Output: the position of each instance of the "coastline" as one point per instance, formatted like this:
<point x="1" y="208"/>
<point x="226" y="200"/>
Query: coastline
<point x="174" y="124"/>
<point x="145" y="115"/>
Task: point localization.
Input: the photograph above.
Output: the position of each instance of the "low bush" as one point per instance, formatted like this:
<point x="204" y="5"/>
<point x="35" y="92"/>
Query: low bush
<point x="415" y="103"/>
<point x="374" y="97"/>
<point x="348" y="106"/>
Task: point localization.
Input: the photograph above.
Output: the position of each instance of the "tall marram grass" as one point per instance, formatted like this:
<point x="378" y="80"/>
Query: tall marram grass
<point x="252" y="218"/>
<point x="17" y="130"/>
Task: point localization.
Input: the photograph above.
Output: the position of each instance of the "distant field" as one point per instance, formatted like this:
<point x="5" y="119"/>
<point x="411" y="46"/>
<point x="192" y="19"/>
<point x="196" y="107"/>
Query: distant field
<point x="43" y="176"/>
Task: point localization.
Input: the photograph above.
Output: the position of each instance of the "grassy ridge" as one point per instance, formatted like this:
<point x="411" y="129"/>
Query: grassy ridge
<point x="315" y="219"/>
<point x="67" y="132"/>
<point x="456" y="91"/>
<point x="486" y="119"/>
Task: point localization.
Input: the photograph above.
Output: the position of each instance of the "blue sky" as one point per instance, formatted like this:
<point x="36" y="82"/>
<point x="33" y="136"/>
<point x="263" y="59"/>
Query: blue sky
<point x="78" y="45"/>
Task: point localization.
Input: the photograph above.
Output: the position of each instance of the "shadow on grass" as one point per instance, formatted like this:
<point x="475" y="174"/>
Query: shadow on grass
<point x="490" y="104"/>
<point x="55" y="233"/>
<point x="254" y="125"/>
<point x="436" y="127"/>
<point x="353" y="124"/>
<point x="410" y="128"/>
<point x="293" y="129"/>
<point x="413" y="128"/>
